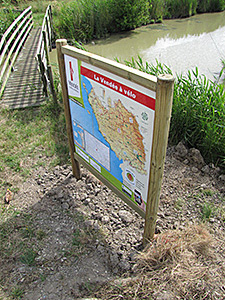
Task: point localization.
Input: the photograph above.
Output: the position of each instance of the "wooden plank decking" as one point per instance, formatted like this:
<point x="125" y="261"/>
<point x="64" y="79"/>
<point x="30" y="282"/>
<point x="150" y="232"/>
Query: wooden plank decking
<point x="24" y="87"/>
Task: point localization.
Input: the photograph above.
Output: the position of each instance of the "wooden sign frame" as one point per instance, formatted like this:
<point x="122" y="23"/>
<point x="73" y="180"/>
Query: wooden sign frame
<point x="163" y="89"/>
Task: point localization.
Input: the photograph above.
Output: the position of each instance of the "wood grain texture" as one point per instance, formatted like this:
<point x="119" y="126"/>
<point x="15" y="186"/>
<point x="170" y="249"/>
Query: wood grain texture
<point x="75" y="164"/>
<point x="114" y="67"/>
<point x="164" y="98"/>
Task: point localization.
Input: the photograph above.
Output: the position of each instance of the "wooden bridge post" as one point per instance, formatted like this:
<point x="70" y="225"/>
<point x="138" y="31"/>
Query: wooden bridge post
<point x="51" y="25"/>
<point x="42" y="71"/>
<point x="45" y="46"/>
<point x="62" y="71"/>
<point x="48" y="32"/>
<point x="50" y="78"/>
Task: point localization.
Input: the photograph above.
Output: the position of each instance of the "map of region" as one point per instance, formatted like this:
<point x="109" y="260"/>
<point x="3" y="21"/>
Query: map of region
<point x="120" y="129"/>
<point x="98" y="150"/>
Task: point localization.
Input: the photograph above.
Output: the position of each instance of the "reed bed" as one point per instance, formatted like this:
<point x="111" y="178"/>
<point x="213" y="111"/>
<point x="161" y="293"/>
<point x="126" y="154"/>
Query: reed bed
<point x="198" y="113"/>
<point x="83" y="20"/>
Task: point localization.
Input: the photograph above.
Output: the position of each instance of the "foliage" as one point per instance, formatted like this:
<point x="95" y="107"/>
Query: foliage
<point x="198" y="114"/>
<point x="210" y="5"/>
<point x="7" y="16"/>
<point x="157" y="9"/>
<point x="83" y="20"/>
<point x="128" y="14"/>
<point x="181" y="8"/>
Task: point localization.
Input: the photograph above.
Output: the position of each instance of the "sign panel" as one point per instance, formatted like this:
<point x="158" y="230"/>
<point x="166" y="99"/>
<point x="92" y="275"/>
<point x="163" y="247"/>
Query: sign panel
<point x="112" y="121"/>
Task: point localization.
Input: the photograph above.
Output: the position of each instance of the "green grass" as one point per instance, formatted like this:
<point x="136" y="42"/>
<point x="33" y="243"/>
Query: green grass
<point x="17" y="292"/>
<point x="179" y="203"/>
<point x="28" y="257"/>
<point x="29" y="138"/>
<point x="207" y="211"/>
<point x="7" y="16"/>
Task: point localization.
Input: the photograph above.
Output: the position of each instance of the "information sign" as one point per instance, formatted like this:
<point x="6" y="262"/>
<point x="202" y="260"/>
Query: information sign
<point x="117" y="121"/>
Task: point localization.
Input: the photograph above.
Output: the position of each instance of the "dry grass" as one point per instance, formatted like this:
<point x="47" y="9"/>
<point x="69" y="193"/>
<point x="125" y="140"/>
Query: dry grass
<point x="175" y="265"/>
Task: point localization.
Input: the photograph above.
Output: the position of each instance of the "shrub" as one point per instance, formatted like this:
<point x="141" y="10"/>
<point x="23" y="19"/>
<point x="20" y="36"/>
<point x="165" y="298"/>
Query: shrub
<point x="216" y="5"/>
<point x="7" y="16"/>
<point x="128" y="14"/>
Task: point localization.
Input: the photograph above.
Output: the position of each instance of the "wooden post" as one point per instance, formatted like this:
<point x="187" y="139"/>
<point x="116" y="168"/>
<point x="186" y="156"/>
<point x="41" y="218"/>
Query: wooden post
<point x="50" y="78"/>
<point x="45" y="46"/>
<point x="42" y="71"/>
<point x="51" y="26"/>
<point x="62" y="71"/>
<point x="164" y="98"/>
<point x="48" y="32"/>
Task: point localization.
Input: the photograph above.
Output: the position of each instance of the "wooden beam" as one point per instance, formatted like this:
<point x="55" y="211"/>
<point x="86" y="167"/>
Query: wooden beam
<point x="62" y="71"/>
<point x="136" y="76"/>
<point x="164" y="98"/>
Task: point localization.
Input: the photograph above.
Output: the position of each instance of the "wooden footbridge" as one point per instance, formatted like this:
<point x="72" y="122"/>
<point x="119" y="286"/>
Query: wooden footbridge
<point x="26" y="77"/>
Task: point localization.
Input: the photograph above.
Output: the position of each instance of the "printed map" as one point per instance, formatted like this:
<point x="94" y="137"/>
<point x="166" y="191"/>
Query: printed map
<point x="121" y="130"/>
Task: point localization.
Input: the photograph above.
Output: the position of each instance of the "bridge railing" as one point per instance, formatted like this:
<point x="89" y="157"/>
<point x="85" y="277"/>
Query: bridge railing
<point x="11" y="43"/>
<point x="42" y="55"/>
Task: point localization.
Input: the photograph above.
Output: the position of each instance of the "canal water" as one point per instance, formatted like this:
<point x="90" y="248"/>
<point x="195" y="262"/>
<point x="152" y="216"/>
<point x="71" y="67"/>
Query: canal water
<point x="181" y="44"/>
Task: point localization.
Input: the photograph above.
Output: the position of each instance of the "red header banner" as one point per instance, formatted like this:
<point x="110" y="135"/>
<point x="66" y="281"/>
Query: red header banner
<point x="120" y="88"/>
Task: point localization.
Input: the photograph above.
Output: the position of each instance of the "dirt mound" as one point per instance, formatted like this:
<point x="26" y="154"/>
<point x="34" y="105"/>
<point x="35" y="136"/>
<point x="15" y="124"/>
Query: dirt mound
<point x="81" y="237"/>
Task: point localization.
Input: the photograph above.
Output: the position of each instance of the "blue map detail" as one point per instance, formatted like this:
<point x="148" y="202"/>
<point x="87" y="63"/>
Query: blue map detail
<point x="79" y="135"/>
<point x="85" y="118"/>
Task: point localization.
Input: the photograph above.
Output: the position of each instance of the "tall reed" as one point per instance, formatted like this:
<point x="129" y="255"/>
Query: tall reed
<point x="180" y="8"/>
<point x="198" y="113"/>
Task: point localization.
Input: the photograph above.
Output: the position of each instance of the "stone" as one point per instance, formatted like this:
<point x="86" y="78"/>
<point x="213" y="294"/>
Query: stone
<point x="65" y="205"/>
<point x="205" y="169"/>
<point x="59" y="195"/>
<point x="222" y="177"/>
<point x="195" y="157"/>
<point x="83" y="196"/>
<point x="91" y="179"/>
<point x="181" y="150"/>
<point x="124" y="265"/>
<point x="194" y="170"/>
<point x="87" y="201"/>
<point x="105" y="219"/>
<point x="125" y="216"/>
<point x="163" y="295"/>
<point x="89" y="223"/>
<point x="114" y="259"/>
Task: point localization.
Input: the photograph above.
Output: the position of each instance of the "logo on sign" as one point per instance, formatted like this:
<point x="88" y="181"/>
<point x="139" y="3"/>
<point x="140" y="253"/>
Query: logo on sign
<point x="71" y="70"/>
